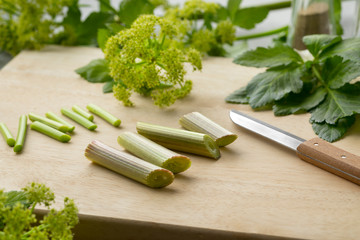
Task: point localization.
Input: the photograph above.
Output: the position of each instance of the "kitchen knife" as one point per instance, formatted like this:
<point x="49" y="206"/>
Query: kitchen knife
<point x="315" y="151"/>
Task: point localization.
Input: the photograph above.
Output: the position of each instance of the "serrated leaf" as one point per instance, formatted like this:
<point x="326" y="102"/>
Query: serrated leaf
<point x="269" y="57"/>
<point x="348" y="49"/>
<point x="108" y="87"/>
<point x="132" y="9"/>
<point x="319" y="42"/>
<point x="232" y="7"/>
<point x="333" y="132"/>
<point x="239" y="96"/>
<point x="338" y="104"/>
<point x="102" y="37"/>
<point x="273" y="85"/>
<point x="96" y="71"/>
<point x="248" y="17"/>
<point x="337" y="72"/>
<point x="297" y="103"/>
<point x="14" y="197"/>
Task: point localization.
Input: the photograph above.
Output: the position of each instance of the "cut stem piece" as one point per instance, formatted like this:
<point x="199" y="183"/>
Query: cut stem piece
<point x="79" y="119"/>
<point x="153" y="152"/>
<point x="49" y="131"/>
<point x="181" y="140"/>
<point x="51" y="123"/>
<point x="83" y="113"/>
<point x="5" y="132"/>
<point x="199" y="123"/>
<point x="104" y="114"/>
<point x="128" y="165"/>
<point x="20" y="138"/>
<point x="56" y="118"/>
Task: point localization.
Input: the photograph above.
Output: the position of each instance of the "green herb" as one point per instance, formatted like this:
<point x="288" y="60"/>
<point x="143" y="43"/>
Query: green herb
<point x="49" y="131"/>
<point x="7" y="135"/>
<point x="128" y="165"/>
<point x="18" y="221"/>
<point x="54" y="124"/>
<point x="20" y="138"/>
<point x="83" y="112"/>
<point x="79" y="119"/>
<point x="324" y="85"/>
<point x="56" y="118"/>
<point x="104" y="114"/>
<point x="153" y="152"/>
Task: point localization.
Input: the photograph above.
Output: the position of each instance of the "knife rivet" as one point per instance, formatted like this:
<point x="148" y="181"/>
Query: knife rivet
<point x="343" y="156"/>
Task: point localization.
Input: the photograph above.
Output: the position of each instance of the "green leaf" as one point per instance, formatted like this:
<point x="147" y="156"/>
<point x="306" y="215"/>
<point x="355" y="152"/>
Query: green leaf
<point x="105" y="6"/>
<point x="132" y="9"/>
<point x="348" y="49"/>
<point x="318" y="42"/>
<point x="248" y="17"/>
<point x="221" y="14"/>
<point x="297" y="103"/>
<point x="339" y="103"/>
<point x="115" y="27"/>
<point x="96" y="71"/>
<point x="337" y="73"/>
<point x="337" y="16"/>
<point x="102" y="36"/>
<point x="236" y="49"/>
<point x="108" y="86"/>
<point x="232" y="7"/>
<point x="239" y="96"/>
<point x="333" y="132"/>
<point x="269" y="57"/>
<point x="274" y="84"/>
<point x="14" y="197"/>
<point x="73" y="15"/>
<point x="87" y="31"/>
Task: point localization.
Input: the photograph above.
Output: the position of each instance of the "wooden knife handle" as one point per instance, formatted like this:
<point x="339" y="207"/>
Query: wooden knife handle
<point x="330" y="158"/>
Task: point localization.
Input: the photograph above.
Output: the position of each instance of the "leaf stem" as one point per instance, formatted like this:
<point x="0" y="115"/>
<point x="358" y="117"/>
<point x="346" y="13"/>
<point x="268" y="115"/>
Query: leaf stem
<point x="104" y="114"/>
<point x="7" y="135"/>
<point x="263" y="34"/>
<point x="278" y="5"/>
<point x="20" y="138"/>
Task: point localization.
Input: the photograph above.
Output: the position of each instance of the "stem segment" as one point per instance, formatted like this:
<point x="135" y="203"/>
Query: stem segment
<point x="56" y="118"/>
<point x="7" y="135"/>
<point x="20" y="138"/>
<point x="51" y="123"/>
<point x="83" y="113"/>
<point x="49" y="131"/>
<point x="263" y="34"/>
<point x="79" y="119"/>
<point x="104" y="114"/>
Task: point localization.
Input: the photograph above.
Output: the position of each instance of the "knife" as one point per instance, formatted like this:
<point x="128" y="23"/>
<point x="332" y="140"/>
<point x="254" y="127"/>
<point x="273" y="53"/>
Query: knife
<point x="315" y="151"/>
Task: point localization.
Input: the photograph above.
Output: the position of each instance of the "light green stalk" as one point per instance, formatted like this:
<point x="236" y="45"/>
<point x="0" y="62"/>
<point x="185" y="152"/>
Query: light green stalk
<point x="49" y="131"/>
<point x="51" y="123"/>
<point x="7" y="135"/>
<point x="83" y="113"/>
<point x="153" y="152"/>
<point x="199" y="123"/>
<point x="181" y="140"/>
<point x="20" y="138"/>
<point x="104" y="114"/>
<point x="79" y="119"/>
<point x="56" y="118"/>
<point x="128" y="165"/>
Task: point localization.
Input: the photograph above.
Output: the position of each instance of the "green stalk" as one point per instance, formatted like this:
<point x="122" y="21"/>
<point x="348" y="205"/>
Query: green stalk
<point x="56" y="118"/>
<point x="83" y="113"/>
<point x="181" y="140"/>
<point x="7" y="135"/>
<point x="128" y="165"/>
<point x="51" y="123"/>
<point x="104" y="114"/>
<point x="20" y="138"/>
<point x="153" y="152"/>
<point x="49" y="131"/>
<point x="199" y="123"/>
<point x="263" y="34"/>
<point x="79" y="119"/>
<point x="278" y="5"/>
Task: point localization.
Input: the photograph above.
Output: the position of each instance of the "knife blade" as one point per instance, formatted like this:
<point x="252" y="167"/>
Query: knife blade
<point x="315" y="151"/>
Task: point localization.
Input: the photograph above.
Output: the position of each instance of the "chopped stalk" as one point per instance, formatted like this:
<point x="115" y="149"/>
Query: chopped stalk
<point x="153" y="152"/>
<point x="79" y="119"/>
<point x="181" y="140"/>
<point x="51" y="123"/>
<point x="20" y="138"/>
<point x="56" y="118"/>
<point x="7" y="135"/>
<point x="128" y="165"/>
<point x="83" y="113"/>
<point x="199" y="123"/>
<point x="104" y="114"/>
<point x="49" y="131"/>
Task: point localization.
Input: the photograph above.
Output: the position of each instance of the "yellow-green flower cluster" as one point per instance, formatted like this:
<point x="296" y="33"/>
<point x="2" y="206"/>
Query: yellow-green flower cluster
<point x="225" y="31"/>
<point x="195" y="9"/>
<point x="145" y="59"/>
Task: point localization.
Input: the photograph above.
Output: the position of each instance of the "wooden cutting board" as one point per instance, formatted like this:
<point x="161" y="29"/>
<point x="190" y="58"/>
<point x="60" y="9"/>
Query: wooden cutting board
<point x="257" y="187"/>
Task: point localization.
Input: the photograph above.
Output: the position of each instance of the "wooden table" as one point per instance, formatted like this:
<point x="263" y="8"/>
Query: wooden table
<point x="256" y="190"/>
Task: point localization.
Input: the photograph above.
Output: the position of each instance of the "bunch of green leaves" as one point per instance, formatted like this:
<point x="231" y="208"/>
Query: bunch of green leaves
<point x="324" y="85"/>
<point x="17" y="220"/>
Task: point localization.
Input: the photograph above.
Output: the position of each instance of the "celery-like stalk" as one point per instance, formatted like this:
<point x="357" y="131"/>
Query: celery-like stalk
<point x="128" y="165"/>
<point x="49" y="131"/>
<point x="153" y="152"/>
<point x="79" y="119"/>
<point x="181" y="140"/>
<point x="56" y="118"/>
<point x="58" y="126"/>
<point x="7" y="135"/>
<point x="199" y="123"/>
<point x="104" y="114"/>
<point x="20" y="138"/>
<point x="83" y="113"/>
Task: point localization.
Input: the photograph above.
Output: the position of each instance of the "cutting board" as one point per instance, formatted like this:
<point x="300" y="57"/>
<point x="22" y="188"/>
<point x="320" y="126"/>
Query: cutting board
<point x="257" y="188"/>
